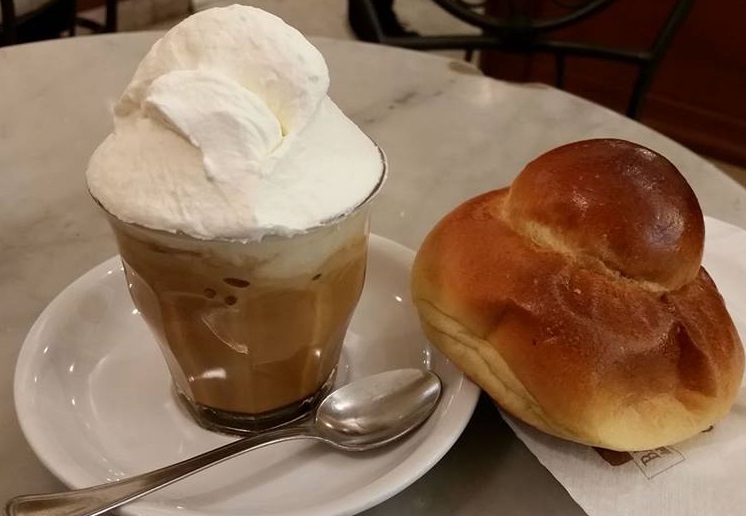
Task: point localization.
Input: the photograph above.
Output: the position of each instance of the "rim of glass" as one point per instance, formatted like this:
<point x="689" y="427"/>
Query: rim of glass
<point x="269" y="236"/>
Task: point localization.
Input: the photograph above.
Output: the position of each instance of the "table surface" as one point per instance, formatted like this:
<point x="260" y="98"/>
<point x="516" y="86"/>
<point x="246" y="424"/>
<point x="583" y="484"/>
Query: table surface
<point x="449" y="134"/>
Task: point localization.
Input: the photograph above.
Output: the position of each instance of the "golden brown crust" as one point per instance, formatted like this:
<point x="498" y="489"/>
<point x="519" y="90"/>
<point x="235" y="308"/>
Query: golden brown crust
<point x="616" y="201"/>
<point x="570" y="345"/>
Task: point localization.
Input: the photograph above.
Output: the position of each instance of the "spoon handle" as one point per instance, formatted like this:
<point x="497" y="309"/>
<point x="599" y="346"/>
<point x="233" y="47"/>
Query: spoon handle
<point x="92" y="501"/>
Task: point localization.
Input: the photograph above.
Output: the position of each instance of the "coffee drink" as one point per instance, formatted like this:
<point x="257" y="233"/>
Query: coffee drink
<point x="239" y="194"/>
<point x="252" y="332"/>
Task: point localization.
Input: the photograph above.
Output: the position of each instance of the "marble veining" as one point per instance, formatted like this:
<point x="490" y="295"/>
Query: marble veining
<point x="448" y="134"/>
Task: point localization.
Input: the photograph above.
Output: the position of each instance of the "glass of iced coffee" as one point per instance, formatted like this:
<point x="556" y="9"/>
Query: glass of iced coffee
<point x="239" y="195"/>
<point x="251" y="331"/>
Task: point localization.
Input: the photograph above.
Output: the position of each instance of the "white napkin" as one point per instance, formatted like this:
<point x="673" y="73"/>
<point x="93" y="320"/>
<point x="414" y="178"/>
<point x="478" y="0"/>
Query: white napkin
<point x="704" y="476"/>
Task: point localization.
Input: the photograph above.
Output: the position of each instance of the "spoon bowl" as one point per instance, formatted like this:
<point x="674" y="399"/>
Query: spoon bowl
<point x="377" y="410"/>
<point x="363" y="415"/>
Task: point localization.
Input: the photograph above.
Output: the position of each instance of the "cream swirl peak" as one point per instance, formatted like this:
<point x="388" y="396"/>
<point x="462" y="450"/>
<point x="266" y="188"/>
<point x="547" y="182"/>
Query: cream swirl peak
<point x="226" y="131"/>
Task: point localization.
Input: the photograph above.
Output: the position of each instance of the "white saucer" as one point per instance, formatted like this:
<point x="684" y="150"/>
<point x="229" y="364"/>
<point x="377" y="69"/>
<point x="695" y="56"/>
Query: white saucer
<point x="93" y="398"/>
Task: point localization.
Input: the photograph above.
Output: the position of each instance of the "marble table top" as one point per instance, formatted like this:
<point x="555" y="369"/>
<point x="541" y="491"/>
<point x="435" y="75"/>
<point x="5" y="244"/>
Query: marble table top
<point x="449" y="134"/>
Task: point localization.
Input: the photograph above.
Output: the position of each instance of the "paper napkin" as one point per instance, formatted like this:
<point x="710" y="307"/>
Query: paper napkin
<point x="704" y="476"/>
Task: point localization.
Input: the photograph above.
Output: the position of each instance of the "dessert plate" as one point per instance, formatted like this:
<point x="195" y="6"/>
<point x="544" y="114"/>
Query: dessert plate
<point x="94" y="401"/>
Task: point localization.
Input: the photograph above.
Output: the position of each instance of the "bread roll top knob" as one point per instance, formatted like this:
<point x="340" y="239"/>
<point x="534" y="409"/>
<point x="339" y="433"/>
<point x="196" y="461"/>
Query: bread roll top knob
<point x="613" y="202"/>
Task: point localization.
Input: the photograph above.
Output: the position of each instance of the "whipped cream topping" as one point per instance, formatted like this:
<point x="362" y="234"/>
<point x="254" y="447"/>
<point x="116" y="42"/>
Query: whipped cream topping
<point x="226" y="131"/>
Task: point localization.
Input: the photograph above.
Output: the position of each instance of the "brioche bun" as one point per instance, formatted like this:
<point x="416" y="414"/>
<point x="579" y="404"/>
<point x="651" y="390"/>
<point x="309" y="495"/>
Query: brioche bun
<point x="576" y="299"/>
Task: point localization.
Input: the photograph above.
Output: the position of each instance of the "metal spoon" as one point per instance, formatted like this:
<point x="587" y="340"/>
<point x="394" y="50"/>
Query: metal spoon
<point x="362" y="415"/>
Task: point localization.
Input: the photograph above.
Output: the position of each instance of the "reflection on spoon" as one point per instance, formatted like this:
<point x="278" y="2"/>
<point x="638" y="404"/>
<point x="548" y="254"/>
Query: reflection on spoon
<point x="365" y="414"/>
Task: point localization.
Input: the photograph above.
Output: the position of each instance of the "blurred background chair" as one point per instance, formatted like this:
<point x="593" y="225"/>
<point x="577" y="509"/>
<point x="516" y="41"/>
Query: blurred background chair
<point x="110" y="19"/>
<point x="24" y="21"/>
<point x="521" y="27"/>
<point x="33" y="20"/>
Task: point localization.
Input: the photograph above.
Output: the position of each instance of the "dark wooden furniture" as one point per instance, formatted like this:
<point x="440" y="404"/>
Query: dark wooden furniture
<point x="110" y="21"/>
<point x="526" y="27"/>
<point x="45" y="22"/>
<point x="50" y="21"/>
<point x="692" y="90"/>
<point x="697" y="94"/>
